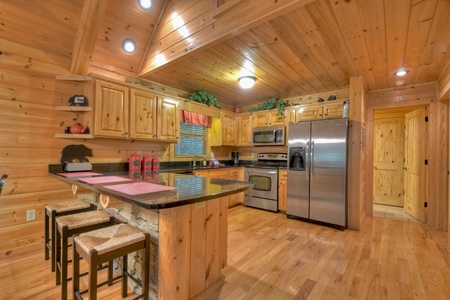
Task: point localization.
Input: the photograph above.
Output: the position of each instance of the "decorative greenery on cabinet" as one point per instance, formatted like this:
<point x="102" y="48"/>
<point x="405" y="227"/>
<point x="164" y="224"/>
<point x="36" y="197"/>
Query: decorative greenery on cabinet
<point x="205" y="98"/>
<point x="273" y="103"/>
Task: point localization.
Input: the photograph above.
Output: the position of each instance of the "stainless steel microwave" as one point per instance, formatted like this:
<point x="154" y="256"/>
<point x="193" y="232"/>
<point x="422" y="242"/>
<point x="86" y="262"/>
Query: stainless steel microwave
<point x="269" y="136"/>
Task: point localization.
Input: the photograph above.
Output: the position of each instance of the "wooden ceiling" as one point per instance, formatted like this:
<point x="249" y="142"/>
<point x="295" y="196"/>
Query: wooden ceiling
<point x="293" y="47"/>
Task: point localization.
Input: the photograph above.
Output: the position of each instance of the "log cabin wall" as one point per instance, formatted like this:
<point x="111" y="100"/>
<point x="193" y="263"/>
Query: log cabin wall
<point x="410" y="96"/>
<point x="28" y="124"/>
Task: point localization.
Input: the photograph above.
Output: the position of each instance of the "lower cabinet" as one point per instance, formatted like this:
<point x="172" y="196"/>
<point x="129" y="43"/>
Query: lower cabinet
<point x="228" y="173"/>
<point x="282" y="190"/>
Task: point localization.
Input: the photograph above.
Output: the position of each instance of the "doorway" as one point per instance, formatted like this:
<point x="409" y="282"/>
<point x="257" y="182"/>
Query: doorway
<point x="399" y="174"/>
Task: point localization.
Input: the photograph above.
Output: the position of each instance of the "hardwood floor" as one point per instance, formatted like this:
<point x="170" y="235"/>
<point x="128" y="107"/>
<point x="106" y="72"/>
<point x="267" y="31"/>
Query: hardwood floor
<point x="272" y="257"/>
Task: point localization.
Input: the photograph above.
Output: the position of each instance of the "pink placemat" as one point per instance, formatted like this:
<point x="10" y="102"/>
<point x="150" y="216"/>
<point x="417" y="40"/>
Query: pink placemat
<point x="79" y="174"/>
<point x="139" y="188"/>
<point x="104" y="179"/>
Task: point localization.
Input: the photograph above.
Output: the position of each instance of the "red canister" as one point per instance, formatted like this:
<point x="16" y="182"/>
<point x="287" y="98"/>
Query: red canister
<point x="134" y="161"/>
<point x="155" y="164"/>
<point x="146" y="163"/>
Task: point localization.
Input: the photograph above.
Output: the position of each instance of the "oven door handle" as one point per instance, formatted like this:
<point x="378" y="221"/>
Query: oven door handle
<point x="259" y="172"/>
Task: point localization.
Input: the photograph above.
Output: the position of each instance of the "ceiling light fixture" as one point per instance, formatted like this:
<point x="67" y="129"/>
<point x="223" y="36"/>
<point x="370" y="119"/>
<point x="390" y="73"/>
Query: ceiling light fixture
<point x="145" y="4"/>
<point x="247" y="82"/>
<point x="128" y="45"/>
<point x="401" y="72"/>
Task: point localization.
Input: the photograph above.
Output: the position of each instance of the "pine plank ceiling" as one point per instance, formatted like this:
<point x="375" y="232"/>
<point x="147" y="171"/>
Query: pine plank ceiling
<point x="293" y="47"/>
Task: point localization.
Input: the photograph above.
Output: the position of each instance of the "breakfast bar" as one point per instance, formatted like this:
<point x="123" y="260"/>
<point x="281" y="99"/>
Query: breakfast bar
<point x="185" y="215"/>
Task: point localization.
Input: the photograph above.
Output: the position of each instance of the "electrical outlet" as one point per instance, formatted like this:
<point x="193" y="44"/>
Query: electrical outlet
<point x="31" y="215"/>
<point x="253" y="155"/>
<point x="212" y="154"/>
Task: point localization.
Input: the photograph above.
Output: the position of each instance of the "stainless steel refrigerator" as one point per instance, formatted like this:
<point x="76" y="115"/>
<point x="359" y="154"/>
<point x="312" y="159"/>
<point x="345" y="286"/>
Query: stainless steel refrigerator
<point x="317" y="171"/>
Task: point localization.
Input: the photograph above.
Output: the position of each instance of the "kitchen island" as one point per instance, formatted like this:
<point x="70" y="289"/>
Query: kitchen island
<point x="187" y="221"/>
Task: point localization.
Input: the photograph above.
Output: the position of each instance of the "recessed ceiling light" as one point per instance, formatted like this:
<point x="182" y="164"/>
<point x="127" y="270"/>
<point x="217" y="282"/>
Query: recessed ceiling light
<point x="145" y="4"/>
<point x="247" y="82"/>
<point x="401" y="73"/>
<point x="128" y="45"/>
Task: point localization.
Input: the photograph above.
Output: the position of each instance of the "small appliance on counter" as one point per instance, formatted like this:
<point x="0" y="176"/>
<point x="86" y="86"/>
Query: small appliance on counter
<point x="235" y="156"/>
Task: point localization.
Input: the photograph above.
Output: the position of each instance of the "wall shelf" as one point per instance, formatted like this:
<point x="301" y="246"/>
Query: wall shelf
<point x="73" y="108"/>
<point x="73" y="136"/>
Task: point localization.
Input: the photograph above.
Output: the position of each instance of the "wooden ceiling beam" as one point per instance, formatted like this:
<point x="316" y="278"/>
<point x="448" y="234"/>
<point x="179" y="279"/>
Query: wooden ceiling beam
<point x="217" y="28"/>
<point x="87" y="34"/>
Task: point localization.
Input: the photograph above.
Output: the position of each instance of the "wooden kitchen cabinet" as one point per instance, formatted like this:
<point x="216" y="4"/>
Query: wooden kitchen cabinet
<point x="168" y="121"/>
<point x="230" y="129"/>
<point x="267" y="118"/>
<point x="111" y="110"/>
<point x="245" y="129"/>
<point x="282" y="190"/>
<point x="227" y="173"/>
<point x="335" y="109"/>
<point x="124" y="112"/>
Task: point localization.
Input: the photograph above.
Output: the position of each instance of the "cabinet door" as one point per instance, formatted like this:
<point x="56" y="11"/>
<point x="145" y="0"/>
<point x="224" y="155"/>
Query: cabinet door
<point x="335" y="110"/>
<point x="143" y="115"/>
<point x="282" y="190"/>
<point x="111" y="110"/>
<point x="274" y="119"/>
<point x="168" y="128"/>
<point x="311" y="113"/>
<point x="230" y="132"/>
<point x="260" y="119"/>
<point x="245" y="130"/>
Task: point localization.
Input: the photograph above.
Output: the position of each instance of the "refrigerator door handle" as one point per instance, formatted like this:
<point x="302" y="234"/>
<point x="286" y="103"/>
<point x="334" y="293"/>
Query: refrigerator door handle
<point x="312" y="159"/>
<point x="306" y="160"/>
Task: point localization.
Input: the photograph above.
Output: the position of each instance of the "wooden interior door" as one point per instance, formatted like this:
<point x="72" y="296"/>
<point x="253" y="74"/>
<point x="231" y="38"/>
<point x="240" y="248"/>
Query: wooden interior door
<point x="415" y="175"/>
<point x="389" y="145"/>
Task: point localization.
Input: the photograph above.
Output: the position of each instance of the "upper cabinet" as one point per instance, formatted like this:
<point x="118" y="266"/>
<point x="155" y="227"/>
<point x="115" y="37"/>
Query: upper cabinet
<point x="267" y="118"/>
<point x="245" y="129"/>
<point x="111" y="110"/>
<point x="168" y="120"/>
<point x="230" y="129"/>
<point x="133" y="113"/>
<point x="328" y="110"/>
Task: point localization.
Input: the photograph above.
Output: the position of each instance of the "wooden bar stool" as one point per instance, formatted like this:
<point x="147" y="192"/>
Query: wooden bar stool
<point x="68" y="226"/>
<point x="53" y="211"/>
<point x="103" y="245"/>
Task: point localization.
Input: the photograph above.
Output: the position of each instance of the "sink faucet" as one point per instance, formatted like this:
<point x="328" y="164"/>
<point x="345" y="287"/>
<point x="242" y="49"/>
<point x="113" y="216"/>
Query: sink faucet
<point x="194" y="163"/>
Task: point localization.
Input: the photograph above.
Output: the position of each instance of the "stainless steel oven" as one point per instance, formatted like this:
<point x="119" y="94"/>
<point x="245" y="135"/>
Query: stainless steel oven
<point x="264" y="174"/>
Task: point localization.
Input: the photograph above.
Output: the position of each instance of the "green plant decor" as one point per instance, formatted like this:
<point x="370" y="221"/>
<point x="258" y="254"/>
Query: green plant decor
<point x="205" y="98"/>
<point x="273" y="103"/>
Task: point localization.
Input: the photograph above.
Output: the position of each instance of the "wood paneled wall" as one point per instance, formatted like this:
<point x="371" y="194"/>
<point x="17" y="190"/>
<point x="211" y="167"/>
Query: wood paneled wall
<point x="28" y="123"/>
<point x="410" y="96"/>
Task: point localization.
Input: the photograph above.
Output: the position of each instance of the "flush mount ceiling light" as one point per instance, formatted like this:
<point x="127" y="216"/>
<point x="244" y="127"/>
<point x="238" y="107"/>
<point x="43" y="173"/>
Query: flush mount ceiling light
<point x="401" y="73"/>
<point x="128" y="45"/>
<point x="145" y="4"/>
<point x="247" y="82"/>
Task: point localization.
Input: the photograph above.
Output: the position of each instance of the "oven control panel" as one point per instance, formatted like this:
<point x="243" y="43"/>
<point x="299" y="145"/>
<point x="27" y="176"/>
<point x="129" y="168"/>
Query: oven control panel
<point x="273" y="156"/>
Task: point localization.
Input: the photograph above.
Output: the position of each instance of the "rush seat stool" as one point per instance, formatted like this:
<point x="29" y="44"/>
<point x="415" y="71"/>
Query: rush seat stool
<point x="53" y="211"/>
<point x="68" y="226"/>
<point x="104" y="245"/>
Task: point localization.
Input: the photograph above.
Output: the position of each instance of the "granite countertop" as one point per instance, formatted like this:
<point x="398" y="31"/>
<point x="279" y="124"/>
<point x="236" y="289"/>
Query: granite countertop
<point x="180" y="189"/>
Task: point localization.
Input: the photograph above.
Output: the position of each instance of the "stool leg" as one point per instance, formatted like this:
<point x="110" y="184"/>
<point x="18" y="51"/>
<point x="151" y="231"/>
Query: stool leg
<point x="56" y="253"/>
<point x="64" y="261"/>
<point x="124" y="275"/>
<point x="46" y="236"/>
<point x="53" y="242"/>
<point x="93" y="276"/>
<point x="110" y="272"/>
<point x="76" y="272"/>
<point x="146" y="277"/>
